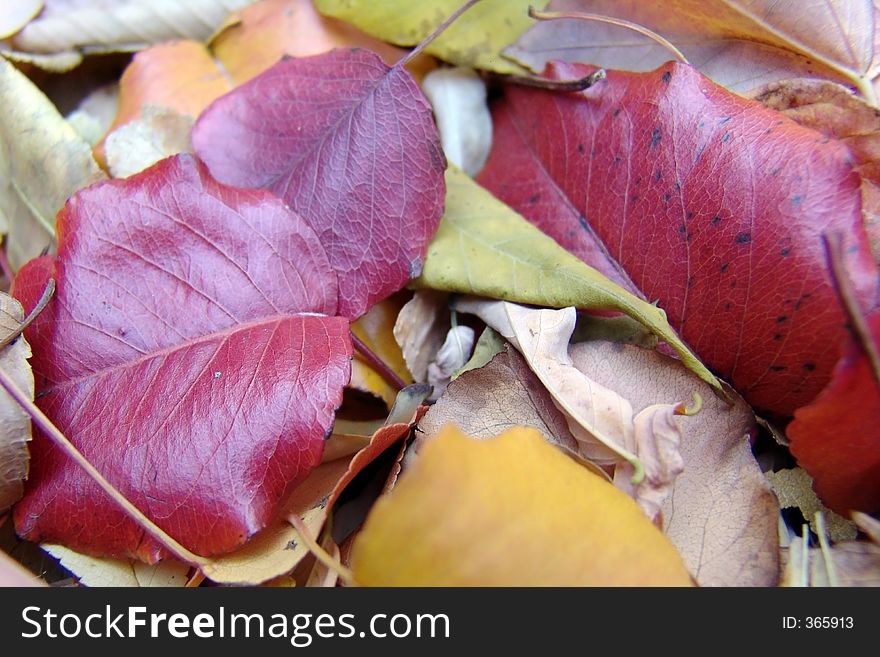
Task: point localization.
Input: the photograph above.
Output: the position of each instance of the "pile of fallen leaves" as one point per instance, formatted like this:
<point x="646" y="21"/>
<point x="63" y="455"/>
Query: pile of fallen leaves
<point x="332" y="292"/>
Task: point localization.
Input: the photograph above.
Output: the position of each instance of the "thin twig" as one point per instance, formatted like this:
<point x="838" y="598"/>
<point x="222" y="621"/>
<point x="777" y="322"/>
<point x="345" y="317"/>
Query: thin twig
<point x="427" y="41"/>
<point x="55" y="435"/>
<point x="599" y="18"/>
<point x="834" y="253"/>
<point x="558" y="85"/>
<point x="320" y="553"/>
<point x="825" y="547"/>
<point x="380" y="366"/>
<point x="41" y="304"/>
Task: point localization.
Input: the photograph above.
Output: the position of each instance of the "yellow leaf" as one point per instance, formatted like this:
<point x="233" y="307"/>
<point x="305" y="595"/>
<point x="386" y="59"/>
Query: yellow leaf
<point x="103" y="572"/>
<point x="509" y="511"/>
<point x="475" y="39"/>
<point x="277" y="549"/>
<point x="376" y="331"/>
<point x="483" y="247"/>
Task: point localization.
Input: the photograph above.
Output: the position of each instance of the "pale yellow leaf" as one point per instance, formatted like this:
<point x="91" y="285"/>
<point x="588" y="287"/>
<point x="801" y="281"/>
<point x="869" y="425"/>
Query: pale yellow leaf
<point x="102" y="572"/>
<point x="277" y="549"/>
<point x="104" y="25"/>
<point x="15" y="14"/>
<point x="159" y="133"/>
<point x="43" y="161"/>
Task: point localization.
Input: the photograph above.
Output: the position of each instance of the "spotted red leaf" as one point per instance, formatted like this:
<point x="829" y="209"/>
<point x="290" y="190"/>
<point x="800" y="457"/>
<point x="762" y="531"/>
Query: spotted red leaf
<point x="351" y="145"/>
<point x="837" y="437"/>
<point x="175" y="355"/>
<point x="711" y="203"/>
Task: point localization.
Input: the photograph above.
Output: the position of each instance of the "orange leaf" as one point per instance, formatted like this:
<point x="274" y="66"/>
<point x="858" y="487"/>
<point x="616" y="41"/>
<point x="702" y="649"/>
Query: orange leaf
<point x="187" y="76"/>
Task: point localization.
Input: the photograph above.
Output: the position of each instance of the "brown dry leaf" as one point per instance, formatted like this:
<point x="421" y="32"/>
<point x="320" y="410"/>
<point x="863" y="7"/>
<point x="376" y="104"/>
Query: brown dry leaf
<point x="643" y="446"/>
<point x="188" y="75"/>
<point x="721" y="514"/>
<point x="95" y="572"/>
<point x="852" y="563"/>
<point x="277" y="549"/>
<point x="15" y="424"/>
<point x="794" y="488"/>
<point x="420" y="330"/>
<point x="16" y="14"/>
<point x="465" y="502"/>
<point x="109" y="25"/>
<point x="740" y="44"/>
<point x="43" y="161"/>
<point x="375" y="329"/>
<point x="159" y="133"/>
<point x="501" y="395"/>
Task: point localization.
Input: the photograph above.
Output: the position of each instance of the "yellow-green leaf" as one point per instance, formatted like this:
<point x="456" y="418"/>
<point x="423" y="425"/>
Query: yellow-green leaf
<point x="485" y="248"/>
<point x="476" y="39"/>
<point x="43" y="161"/>
<point x="509" y="511"/>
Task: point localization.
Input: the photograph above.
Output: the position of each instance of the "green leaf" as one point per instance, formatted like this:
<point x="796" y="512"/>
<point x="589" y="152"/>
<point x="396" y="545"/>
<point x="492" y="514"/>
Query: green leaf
<point x="485" y="248"/>
<point x="476" y="39"/>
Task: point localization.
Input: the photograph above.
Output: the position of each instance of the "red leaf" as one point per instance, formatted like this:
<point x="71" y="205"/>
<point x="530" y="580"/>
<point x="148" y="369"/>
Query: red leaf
<point x="837" y="437"/>
<point x="351" y="145"/>
<point x="174" y="355"/>
<point x="711" y="203"/>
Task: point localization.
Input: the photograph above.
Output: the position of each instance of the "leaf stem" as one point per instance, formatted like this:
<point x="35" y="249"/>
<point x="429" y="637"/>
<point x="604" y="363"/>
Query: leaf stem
<point x="579" y="84"/>
<point x="599" y="18"/>
<point x="824" y="546"/>
<point x="41" y="304"/>
<point x="689" y="411"/>
<point x="380" y="366"/>
<point x="415" y="52"/>
<point x="320" y="553"/>
<point x="55" y="435"/>
<point x="833" y="243"/>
